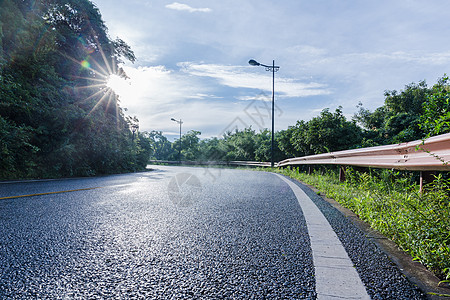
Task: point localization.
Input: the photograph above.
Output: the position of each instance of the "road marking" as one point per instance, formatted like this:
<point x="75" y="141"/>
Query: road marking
<point x="49" y="193"/>
<point x="336" y="276"/>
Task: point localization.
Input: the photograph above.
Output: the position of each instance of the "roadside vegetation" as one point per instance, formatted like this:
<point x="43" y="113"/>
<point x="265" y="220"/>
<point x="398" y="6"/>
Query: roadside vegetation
<point x="57" y="115"/>
<point x="391" y="203"/>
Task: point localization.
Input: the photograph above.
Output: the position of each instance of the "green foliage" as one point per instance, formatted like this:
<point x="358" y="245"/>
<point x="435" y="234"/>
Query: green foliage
<point x="190" y="145"/>
<point x="246" y="145"/>
<point x="241" y="145"/>
<point x="213" y="149"/>
<point x="285" y="142"/>
<point x="16" y="151"/>
<point x="161" y="147"/>
<point x="324" y="133"/>
<point x="390" y="203"/>
<point x="55" y="117"/>
<point x="331" y="132"/>
<point x="398" y="119"/>
<point x="436" y="116"/>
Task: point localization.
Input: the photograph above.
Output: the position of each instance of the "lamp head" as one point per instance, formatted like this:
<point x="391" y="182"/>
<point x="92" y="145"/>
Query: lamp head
<point x="253" y="62"/>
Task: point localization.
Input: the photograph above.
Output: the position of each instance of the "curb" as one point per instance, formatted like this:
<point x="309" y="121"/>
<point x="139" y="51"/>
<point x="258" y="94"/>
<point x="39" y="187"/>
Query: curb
<point x="416" y="272"/>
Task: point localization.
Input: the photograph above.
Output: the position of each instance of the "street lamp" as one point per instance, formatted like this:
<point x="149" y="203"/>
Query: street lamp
<point x="134" y="128"/>
<point x="274" y="69"/>
<point x="179" y="122"/>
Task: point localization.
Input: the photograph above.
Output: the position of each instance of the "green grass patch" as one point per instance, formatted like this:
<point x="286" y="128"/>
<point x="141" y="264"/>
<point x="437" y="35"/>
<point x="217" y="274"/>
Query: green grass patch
<point x="391" y="203"/>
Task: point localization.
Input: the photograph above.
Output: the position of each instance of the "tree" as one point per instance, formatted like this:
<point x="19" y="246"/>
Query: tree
<point x="161" y="147"/>
<point x="54" y="57"/>
<point x="190" y="145"/>
<point x="241" y="145"/>
<point x="143" y="150"/>
<point x="436" y="109"/>
<point x="263" y="146"/>
<point x="299" y="139"/>
<point x="286" y="143"/>
<point x="213" y="149"/>
<point x="398" y="119"/>
<point x="331" y="132"/>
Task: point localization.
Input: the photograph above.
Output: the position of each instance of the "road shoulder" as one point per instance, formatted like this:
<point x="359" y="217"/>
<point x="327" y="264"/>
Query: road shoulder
<point x="416" y="273"/>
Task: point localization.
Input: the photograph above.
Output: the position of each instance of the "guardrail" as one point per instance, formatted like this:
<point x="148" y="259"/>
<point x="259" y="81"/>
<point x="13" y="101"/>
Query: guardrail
<point x="214" y="163"/>
<point x="431" y="155"/>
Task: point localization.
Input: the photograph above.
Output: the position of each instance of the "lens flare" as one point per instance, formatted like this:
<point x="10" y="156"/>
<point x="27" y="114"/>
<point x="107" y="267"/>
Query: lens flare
<point x="85" y="64"/>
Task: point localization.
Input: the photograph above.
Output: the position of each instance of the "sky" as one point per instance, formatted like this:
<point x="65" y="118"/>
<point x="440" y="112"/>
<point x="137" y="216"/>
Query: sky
<point x="192" y="58"/>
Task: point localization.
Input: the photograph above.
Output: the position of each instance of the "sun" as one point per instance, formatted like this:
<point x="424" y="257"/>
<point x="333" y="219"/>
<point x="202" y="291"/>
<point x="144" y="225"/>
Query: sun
<point x="106" y="82"/>
<point x="119" y="85"/>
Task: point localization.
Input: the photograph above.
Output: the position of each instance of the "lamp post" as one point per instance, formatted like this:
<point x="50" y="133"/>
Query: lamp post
<point x="274" y="69"/>
<point x="134" y="128"/>
<point x="179" y="154"/>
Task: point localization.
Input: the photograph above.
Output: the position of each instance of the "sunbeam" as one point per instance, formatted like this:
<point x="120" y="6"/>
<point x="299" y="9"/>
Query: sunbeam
<point x="106" y="79"/>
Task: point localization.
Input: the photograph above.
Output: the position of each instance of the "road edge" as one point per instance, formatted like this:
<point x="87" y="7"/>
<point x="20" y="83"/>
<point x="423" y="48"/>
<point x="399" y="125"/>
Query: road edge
<point x="415" y="271"/>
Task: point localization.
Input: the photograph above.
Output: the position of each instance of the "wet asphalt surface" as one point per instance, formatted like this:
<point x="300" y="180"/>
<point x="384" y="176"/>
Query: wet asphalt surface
<point x="172" y="233"/>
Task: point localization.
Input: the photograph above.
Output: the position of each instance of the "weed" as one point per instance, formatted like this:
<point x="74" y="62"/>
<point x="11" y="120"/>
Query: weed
<point x="391" y="203"/>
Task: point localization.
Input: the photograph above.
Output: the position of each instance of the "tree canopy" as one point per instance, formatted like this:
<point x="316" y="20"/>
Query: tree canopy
<point x="57" y="117"/>
<point x="435" y="118"/>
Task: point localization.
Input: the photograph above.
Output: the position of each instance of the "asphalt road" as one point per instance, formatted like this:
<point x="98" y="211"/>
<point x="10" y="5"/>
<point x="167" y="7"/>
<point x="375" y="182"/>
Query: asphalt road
<point x="173" y="233"/>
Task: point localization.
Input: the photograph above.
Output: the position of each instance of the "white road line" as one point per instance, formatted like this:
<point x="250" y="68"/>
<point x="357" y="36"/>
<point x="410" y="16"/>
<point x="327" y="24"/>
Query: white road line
<point x="336" y="276"/>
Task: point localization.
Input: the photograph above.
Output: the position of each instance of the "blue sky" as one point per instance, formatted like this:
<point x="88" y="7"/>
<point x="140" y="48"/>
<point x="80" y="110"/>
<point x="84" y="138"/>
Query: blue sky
<point x="192" y="58"/>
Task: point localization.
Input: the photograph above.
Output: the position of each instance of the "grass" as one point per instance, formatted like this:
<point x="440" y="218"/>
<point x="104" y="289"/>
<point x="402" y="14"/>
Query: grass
<point x="391" y="203"/>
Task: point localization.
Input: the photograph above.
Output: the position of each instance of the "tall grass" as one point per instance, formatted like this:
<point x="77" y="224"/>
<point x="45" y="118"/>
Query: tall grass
<point x="391" y="203"/>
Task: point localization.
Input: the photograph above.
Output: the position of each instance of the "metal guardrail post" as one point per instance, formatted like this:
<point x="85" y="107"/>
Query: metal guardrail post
<point x="342" y="173"/>
<point x="425" y="177"/>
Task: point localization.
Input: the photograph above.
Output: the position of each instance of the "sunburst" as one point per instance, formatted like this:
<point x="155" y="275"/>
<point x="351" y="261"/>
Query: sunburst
<point x="107" y="80"/>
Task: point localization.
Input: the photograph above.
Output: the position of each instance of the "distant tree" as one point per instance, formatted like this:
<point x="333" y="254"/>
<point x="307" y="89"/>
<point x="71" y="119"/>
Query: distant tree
<point x="300" y="140"/>
<point x="373" y="121"/>
<point x="404" y="111"/>
<point x="241" y="145"/>
<point x="331" y="132"/>
<point x="161" y="147"/>
<point x="143" y="149"/>
<point x="213" y="149"/>
<point x="286" y="144"/>
<point x="263" y="145"/>
<point x="190" y="145"/>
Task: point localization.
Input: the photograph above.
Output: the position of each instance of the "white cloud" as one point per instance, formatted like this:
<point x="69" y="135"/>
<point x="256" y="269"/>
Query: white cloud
<point x="157" y="94"/>
<point x="338" y="53"/>
<point x="185" y="7"/>
<point x="241" y="77"/>
<point x="306" y="50"/>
